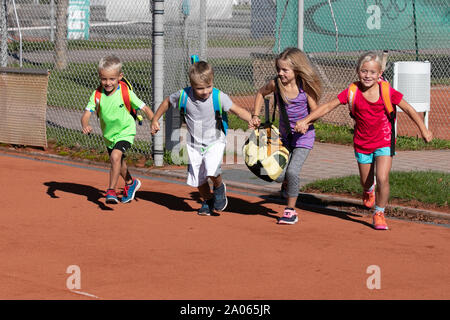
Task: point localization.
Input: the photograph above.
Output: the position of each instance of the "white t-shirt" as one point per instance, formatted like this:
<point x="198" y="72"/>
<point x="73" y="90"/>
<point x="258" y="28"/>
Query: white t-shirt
<point x="201" y="119"/>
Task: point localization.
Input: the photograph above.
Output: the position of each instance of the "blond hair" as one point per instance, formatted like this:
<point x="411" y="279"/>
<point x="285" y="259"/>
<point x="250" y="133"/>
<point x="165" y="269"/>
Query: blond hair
<point x="110" y="62"/>
<point x="304" y="72"/>
<point x="366" y="57"/>
<point x="201" y="72"/>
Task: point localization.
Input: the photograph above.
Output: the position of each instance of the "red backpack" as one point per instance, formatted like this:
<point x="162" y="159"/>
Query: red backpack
<point x="125" y="87"/>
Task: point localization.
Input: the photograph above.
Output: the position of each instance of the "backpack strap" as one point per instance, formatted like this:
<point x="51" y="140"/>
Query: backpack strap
<point x="125" y="95"/>
<point x="351" y="98"/>
<point x="386" y="96"/>
<point x="221" y="117"/>
<point x="278" y="100"/>
<point x="182" y="101"/>
<point x="97" y="97"/>
<point x="125" y="88"/>
<point x="385" y="92"/>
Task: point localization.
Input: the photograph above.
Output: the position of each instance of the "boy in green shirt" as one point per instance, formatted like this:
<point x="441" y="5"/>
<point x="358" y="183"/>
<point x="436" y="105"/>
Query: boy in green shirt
<point x="117" y="124"/>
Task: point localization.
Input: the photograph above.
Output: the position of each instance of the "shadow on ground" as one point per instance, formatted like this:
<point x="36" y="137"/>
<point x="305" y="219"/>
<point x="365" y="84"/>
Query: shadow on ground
<point x="92" y="194"/>
<point x="314" y="204"/>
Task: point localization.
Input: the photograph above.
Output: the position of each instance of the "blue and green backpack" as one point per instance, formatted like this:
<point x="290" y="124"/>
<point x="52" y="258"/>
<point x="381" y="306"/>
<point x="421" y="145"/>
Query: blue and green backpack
<point x="221" y="117"/>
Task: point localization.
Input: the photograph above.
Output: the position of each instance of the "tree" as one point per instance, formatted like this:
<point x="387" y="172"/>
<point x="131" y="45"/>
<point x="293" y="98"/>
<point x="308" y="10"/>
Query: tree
<point x="61" y="34"/>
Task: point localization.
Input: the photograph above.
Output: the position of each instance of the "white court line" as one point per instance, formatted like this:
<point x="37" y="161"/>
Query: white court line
<point x="85" y="294"/>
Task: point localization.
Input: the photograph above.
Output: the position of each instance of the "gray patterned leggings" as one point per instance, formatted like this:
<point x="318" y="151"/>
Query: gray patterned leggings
<point x="292" y="172"/>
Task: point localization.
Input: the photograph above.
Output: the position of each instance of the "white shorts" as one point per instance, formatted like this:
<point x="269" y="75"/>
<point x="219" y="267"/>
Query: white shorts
<point x="204" y="164"/>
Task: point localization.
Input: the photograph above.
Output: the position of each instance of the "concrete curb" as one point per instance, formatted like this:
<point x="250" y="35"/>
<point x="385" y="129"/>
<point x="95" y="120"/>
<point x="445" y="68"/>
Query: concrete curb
<point x="313" y="200"/>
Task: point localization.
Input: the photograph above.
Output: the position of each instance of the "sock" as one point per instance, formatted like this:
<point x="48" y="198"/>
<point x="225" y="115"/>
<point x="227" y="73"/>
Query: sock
<point x="377" y="208"/>
<point x="287" y="208"/>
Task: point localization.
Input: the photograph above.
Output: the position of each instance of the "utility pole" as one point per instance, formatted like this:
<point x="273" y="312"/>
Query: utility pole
<point x="158" y="76"/>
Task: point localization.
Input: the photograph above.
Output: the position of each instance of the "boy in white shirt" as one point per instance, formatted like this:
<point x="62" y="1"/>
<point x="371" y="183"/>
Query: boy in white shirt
<point x="206" y="133"/>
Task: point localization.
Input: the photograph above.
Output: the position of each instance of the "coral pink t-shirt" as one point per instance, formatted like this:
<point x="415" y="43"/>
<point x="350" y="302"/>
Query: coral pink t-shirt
<point x="372" y="126"/>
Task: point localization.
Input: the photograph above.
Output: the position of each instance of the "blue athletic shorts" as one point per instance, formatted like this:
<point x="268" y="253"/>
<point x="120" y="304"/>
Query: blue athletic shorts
<point x="368" y="158"/>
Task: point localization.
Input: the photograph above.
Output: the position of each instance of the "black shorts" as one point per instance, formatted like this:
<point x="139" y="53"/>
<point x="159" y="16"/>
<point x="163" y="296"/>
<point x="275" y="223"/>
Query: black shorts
<point x="122" y="146"/>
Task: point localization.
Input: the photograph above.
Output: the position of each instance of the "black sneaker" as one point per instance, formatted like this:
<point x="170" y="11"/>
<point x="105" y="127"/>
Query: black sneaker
<point x="220" y="197"/>
<point x="207" y="208"/>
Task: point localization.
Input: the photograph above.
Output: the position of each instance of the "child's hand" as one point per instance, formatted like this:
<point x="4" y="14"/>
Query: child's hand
<point x="87" y="129"/>
<point x="155" y="127"/>
<point x="256" y="122"/>
<point x="427" y="135"/>
<point x="301" y="126"/>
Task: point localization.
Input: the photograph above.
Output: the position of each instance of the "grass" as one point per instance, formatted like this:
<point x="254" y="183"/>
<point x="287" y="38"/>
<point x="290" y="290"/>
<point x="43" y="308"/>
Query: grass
<point x="234" y="76"/>
<point x="32" y="46"/>
<point x="331" y="133"/>
<point x="429" y="187"/>
<point x="413" y="143"/>
<point x="74" y="85"/>
<point x="133" y="44"/>
<point x="75" y="144"/>
<point x="236" y="42"/>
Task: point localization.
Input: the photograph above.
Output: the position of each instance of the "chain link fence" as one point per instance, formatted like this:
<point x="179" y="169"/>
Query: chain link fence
<point x="240" y="38"/>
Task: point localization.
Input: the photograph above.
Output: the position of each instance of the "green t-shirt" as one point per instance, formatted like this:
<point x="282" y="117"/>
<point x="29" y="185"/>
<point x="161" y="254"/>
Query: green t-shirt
<point x="115" y="121"/>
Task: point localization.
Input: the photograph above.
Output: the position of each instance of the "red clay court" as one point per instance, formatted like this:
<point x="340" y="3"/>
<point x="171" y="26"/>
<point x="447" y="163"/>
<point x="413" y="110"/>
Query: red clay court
<point x="53" y="216"/>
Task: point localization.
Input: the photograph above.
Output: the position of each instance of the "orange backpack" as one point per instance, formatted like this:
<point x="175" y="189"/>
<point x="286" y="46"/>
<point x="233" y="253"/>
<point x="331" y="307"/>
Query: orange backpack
<point x="385" y="93"/>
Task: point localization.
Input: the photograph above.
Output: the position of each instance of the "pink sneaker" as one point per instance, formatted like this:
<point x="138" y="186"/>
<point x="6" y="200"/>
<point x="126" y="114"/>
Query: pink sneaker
<point x="379" y="222"/>
<point x="369" y="198"/>
<point x="289" y="217"/>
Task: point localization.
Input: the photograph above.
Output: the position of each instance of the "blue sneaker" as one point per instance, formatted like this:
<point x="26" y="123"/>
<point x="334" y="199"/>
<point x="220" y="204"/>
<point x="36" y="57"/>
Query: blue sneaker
<point x="220" y="197"/>
<point x="130" y="190"/>
<point x="207" y="208"/>
<point x="111" y="196"/>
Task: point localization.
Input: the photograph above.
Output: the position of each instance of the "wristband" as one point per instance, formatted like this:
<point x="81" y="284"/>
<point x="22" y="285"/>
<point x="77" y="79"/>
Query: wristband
<point x="254" y="115"/>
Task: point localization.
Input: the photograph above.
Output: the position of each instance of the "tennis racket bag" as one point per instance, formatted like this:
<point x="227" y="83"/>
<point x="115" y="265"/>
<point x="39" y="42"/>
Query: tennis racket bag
<point x="264" y="153"/>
